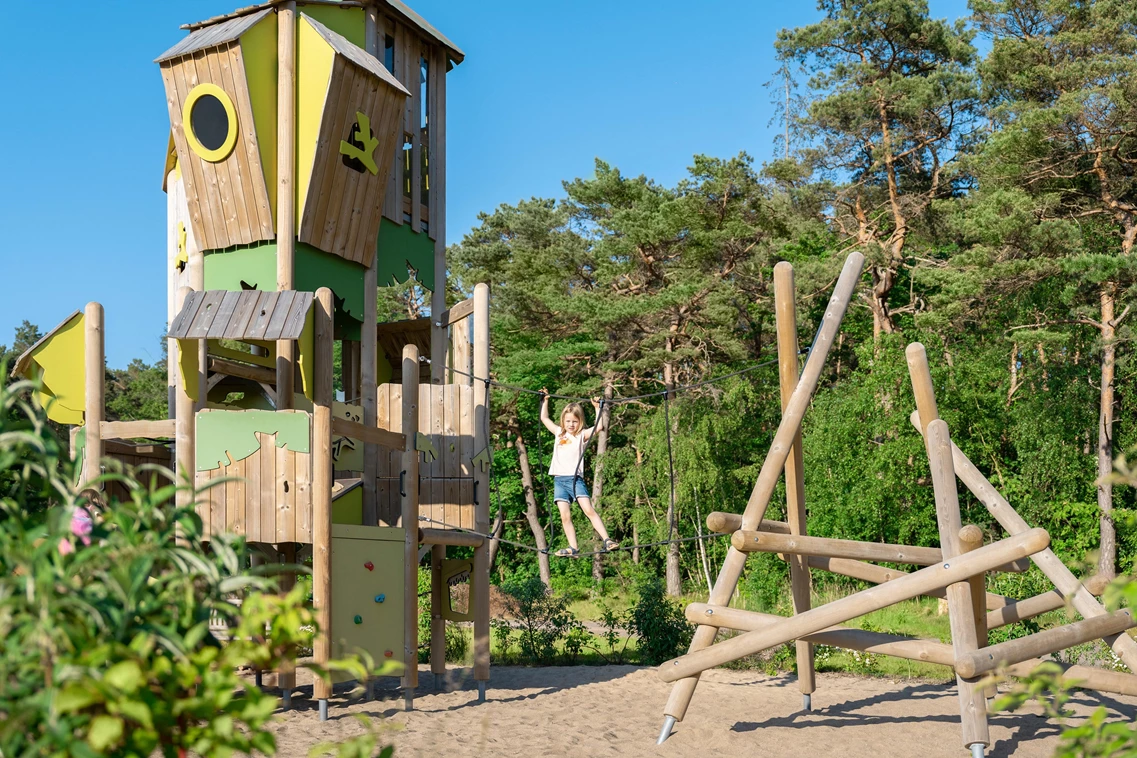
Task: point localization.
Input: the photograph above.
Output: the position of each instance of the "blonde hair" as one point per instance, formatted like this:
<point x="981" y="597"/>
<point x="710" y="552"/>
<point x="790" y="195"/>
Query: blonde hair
<point x="575" y="409"/>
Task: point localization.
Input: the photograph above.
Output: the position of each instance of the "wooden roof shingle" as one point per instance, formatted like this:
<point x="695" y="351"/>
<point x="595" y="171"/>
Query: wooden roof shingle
<point x="212" y="36"/>
<point x="219" y="314"/>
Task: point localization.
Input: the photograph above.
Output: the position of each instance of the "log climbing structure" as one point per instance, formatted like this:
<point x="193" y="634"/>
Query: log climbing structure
<point x="306" y="168"/>
<point x="954" y="571"/>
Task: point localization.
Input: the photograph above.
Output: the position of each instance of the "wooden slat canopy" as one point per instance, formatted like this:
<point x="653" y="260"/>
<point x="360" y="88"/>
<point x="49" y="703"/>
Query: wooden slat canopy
<point x="217" y="314"/>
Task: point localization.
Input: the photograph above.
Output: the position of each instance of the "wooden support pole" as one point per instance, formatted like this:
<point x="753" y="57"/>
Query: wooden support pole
<point x="286" y="674"/>
<point x="970" y="538"/>
<point x="369" y="343"/>
<point x="94" y="357"/>
<point x="480" y="581"/>
<point x="859" y="604"/>
<point x="184" y="430"/>
<point x="1020" y="610"/>
<point x="322" y="485"/>
<point x="726" y="523"/>
<point x="988" y="659"/>
<point x="409" y="482"/>
<point x="437" y="178"/>
<point x="785" y="314"/>
<point x="909" y="648"/>
<point x="1064" y="580"/>
<point x="771" y="470"/>
<point x="285" y="186"/>
<point x="445" y="537"/>
<point x="765" y="542"/>
<point x="972" y="702"/>
<point x="437" y="623"/>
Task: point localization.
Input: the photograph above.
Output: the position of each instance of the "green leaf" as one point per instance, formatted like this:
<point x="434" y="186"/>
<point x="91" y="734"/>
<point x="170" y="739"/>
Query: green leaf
<point x="104" y="732"/>
<point x="137" y="711"/>
<point x="75" y="697"/>
<point x="126" y="676"/>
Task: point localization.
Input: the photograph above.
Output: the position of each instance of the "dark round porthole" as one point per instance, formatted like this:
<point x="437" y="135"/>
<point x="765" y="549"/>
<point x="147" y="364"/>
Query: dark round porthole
<point x="210" y="122"/>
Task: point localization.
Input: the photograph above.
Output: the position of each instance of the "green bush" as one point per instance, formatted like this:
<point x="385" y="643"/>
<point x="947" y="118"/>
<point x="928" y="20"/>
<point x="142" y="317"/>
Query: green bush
<point x="543" y="621"/>
<point x="661" y="629"/>
<point x="106" y="621"/>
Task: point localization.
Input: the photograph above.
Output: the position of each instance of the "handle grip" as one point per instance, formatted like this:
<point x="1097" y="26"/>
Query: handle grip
<point x="403" y="483"/>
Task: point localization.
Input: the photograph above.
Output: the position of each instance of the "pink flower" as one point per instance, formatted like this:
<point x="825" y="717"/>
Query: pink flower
<point x="81" y="525"/>
<point x="65" y="546"/>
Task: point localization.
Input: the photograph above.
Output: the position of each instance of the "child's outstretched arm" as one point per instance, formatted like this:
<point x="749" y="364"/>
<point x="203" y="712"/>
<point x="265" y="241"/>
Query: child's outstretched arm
<point x="545" y="413"/>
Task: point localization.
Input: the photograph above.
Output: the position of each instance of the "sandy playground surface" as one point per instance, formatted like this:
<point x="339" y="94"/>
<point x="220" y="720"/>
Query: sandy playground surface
<point x="617" y="711"/>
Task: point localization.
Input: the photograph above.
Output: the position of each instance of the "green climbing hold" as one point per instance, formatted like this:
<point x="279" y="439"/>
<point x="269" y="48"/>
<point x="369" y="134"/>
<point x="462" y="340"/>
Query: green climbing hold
<point x="359" y="619"/>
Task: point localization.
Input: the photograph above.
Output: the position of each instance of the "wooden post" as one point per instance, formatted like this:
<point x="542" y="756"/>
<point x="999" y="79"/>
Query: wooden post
<point x="285" y="186"/>
<point x="409" y="482"/>
<point x="1064" y="580"/>
<point x="436" y="114"/>
<point x="971" y="538"/>
<point x="184" y="430"/>
<point x="369" y="343"/>
<point x="437" y="623"/>
<point x="771" y="471"/>
<point x="480" y="581"/>
<point x="785" y="314"/>
<point x="972" y="703"/>
<point x="859" y="604"/>
<point x="94" y="357"/>
<point x="322" y="487"/>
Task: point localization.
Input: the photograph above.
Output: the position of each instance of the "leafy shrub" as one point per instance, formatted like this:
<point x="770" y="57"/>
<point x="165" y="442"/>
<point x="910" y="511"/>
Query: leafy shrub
<point x="543" y="620"/>
<point x="661" y="629"/>
<point x="106" y="620"/>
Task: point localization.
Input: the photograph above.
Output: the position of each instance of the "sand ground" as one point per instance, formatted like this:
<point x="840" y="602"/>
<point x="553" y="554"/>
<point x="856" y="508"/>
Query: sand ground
<point x="617" y="711"/>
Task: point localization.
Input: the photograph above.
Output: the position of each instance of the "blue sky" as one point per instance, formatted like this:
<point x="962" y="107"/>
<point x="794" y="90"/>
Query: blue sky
<point x="546" y="88"/>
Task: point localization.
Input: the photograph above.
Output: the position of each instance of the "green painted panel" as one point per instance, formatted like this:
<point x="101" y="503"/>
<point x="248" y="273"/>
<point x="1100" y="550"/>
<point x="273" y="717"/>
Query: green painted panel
<point x="373" y="594"/>
<point x="222" y="435"/>
<point x="345" y="21"/>
<point x="399" y="247"/>
<point x="348" y="508"/>
<point x="255" y="266"/>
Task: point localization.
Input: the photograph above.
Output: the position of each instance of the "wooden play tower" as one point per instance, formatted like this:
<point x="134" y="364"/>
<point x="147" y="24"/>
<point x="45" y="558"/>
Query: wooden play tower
<point x="306" y="168"/>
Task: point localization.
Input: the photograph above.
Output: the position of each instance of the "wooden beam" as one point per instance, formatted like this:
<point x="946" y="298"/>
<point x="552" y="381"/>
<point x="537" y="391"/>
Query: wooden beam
<point x="242" y="370"/>
<point x="322" y="484"/>
<point x="125" y="430"/>
<point x="437" y="598"/>
<point x="766" y="542"/>
<point x="772" y="467"/>
<point x="95" y="391"/>
<point x="369" y="338"/>
<point x="369" y="434"/>
<point x="449" y="537"/>
<point x="410" y="505"/>
<point x="859" y="604"/>
<point x="971" y="538"/>
<point x="457" y="312"/>
<point x="725" y="523"/>
<point x="480" y="581"/>
<point x="1020" y="610"/>
<point x="285" y="186"/>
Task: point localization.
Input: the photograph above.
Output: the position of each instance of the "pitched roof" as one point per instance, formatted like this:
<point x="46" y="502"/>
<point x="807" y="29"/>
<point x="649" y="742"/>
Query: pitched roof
<point x="355" y="54"/>
<point x="247" y="315"/>
<point x="212" y="36"/>
<point x="23" y="363"/>
<point x="402" y="9"/>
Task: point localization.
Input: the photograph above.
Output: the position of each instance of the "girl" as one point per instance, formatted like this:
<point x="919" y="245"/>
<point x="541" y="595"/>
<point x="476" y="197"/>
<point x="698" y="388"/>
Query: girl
<point x="567" y="470"/>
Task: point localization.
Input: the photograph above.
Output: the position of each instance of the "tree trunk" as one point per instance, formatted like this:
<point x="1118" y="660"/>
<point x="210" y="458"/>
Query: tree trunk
<point x="883" y="277"/>
<point x="674" y="581"/>
<point x="531" y="513"/>
<point x="598" y="468"/>
<point x="1107" y="559"/>
<point x="496" y="530"/>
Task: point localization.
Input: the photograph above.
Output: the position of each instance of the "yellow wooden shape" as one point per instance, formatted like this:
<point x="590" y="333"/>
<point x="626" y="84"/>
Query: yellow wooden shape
<point x="259" y="54"/>
<point x="314" y="59"/>
<point x="365" y="151"/>
<point x="188" y="367"/>
<point x="426" y="447"/>
<point x="307" y="349"/>
<point x="58" y="361"/>
<point x="221" y="153"/>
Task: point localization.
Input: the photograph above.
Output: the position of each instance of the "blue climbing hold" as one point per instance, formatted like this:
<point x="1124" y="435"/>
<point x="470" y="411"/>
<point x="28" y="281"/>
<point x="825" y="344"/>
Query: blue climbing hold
<point x="380" y="598"/>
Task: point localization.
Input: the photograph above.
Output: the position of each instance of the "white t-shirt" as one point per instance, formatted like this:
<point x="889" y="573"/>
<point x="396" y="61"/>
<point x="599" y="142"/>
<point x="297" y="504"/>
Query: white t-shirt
<point x="568" y="452"/>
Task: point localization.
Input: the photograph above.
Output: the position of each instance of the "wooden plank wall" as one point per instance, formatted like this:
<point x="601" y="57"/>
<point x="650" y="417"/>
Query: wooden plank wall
<point x="446" y="489"/>
<point x="267" y="498"/>
<point x="134" y="456"/>
<point x="228" y="200"/>
<point x="344" y="207"/>
<point x="410" y="49"/>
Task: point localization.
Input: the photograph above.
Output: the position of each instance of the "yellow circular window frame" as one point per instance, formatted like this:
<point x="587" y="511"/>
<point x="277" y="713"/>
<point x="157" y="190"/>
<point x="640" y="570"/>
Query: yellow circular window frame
<point x="221" y="153"/>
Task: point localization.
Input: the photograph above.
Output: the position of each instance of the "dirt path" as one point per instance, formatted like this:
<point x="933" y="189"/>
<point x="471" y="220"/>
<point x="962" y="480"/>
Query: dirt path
<point x="617" y="711"/>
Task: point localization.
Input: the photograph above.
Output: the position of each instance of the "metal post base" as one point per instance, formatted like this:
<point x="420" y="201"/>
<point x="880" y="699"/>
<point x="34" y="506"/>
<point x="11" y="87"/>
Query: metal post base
<point x="370" y="690"/>
<point x="665" y="732"/>
<point x="977" y="750"/>
<point x="439" y="680"/>
<point x="409" y="700"/>
<point x="481" y="692"/>
<point x="806" y="702"/>
<point x="286" y="700"/>
<point x="323" y="709"/>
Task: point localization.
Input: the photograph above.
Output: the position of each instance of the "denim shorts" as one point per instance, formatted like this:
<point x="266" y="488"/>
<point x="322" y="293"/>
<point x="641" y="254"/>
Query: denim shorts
<point x="569" y="488"/>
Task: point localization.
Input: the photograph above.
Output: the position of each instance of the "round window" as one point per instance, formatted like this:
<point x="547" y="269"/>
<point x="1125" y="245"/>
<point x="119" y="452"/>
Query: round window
<point x="210" y="122"/>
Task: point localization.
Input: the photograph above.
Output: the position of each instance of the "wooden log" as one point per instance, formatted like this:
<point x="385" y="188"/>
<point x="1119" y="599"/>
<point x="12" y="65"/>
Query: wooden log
<point x="1021" y="610"/>
<point x="445" y="537"/>
<point x="766" y="542"/>
<point x="480" y="581"/>
<point x="772" y="467"/>
<point x="859" y="604"/>
<point x="1064" y="580"/>
<point x="437" y="623"/>
<point x="970" y="538"/>
<point x="785" y="315"/>
<point x="369" y="434"/>
<point x="322" y="484"/>
<point x="285" y="185"/>
<point x="369" y="338"/>
<point x="94" y="357"/>
<point x="286" y="674"/>
<point x="988" y="659"/>
<point x="242" y="370"/>
<point x="961" y="616"/>
<point x="725" y="523"/>
<point x="127" y="430"/>
<point x="897" y="646"/>
<point x="184" y="430"/>
<point x="410" y="501"/>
